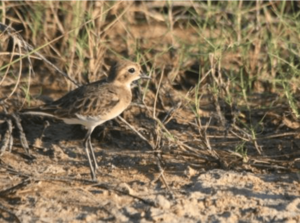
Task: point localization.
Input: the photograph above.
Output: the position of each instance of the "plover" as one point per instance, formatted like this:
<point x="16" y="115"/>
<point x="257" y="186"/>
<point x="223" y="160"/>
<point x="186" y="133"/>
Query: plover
<point x="95" y="103"/>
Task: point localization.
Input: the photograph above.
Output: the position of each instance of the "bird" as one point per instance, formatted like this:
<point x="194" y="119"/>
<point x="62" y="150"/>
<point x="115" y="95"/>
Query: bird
<point x="93" y="104"/>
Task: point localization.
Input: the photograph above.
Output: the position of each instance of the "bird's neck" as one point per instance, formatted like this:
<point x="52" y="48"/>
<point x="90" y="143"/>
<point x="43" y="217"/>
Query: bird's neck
<point x="123" y="85"/>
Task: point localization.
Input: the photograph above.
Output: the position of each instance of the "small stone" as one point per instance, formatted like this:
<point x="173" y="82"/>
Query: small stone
<point x="162" y="202"/>
<point x="190" y="172"/>
<point x="126" y="188"/>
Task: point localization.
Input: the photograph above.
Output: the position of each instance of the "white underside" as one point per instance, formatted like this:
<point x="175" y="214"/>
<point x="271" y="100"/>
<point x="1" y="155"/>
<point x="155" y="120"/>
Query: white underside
<point x="88" y="121"/>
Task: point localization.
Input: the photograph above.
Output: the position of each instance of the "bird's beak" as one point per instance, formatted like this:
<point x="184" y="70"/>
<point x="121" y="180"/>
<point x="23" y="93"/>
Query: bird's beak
<point x="144" y="76"/>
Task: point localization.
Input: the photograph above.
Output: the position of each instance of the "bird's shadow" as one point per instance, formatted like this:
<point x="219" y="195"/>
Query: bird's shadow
<point x="50" y="130"/>
<point x="51" y="138"/>
<point x="42" y="133"/>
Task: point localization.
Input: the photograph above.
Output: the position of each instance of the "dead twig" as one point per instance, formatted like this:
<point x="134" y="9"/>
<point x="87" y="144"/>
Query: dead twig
<point x="10" y="213"/>
<point x="115" y="189"/>
<point x="22" y="136"/>
<point x="7" y="141"/>
<point x="31" y="50"/>
<point x="13" y="189"/>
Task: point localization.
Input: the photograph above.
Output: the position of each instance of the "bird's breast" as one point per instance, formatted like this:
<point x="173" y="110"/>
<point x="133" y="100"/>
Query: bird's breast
<point x="124" y="100"/>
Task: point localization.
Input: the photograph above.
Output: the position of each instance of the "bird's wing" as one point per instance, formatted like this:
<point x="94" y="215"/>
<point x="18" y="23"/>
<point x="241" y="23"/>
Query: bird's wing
<point x="88" y="100"/>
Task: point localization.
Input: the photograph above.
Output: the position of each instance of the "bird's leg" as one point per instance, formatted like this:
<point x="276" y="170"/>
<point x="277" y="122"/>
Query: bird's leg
<point x="92" y="149"/>
<point x="93" y="154"/>
<point x="86" y="147"/>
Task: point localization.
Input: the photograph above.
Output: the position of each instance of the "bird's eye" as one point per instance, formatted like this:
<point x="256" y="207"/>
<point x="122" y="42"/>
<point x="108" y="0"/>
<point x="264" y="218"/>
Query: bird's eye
<point x="131" y="70"/>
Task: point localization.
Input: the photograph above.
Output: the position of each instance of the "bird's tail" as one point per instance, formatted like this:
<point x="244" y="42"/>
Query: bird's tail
<point x="36" y="111"/>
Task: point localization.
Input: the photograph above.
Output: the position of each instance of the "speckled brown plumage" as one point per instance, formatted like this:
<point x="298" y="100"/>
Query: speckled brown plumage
<point x="93" y="100"/>
<point x="92" y="104"/>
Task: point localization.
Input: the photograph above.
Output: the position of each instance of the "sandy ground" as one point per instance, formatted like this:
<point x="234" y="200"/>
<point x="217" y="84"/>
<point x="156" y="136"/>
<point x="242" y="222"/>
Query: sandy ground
<point x="56" y="186"/>
<point x="226" y="157"/>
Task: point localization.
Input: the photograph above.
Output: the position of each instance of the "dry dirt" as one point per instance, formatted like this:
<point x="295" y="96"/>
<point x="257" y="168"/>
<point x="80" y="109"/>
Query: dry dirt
<point x="55" y="186"/>
<point x="223" y="161"/>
